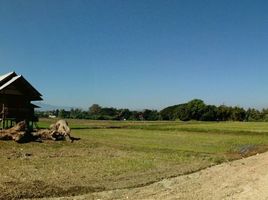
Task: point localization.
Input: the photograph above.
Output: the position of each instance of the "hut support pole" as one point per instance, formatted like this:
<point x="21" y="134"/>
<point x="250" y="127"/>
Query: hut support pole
<point x="3" y="116"/>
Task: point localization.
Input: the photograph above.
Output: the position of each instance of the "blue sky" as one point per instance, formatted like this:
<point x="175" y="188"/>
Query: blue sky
<point x="138" y="53"/>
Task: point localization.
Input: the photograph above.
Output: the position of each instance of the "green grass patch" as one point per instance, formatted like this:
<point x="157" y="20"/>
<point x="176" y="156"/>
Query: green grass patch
<point x="113" y="155"/>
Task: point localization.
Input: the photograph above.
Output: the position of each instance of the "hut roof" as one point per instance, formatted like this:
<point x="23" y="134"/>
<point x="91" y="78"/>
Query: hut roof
<point x="6" y="76"/>
<point x="11" y="83"/>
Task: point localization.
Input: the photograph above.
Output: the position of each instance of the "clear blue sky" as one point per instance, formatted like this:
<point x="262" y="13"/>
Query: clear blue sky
<point x="138" y="53"/>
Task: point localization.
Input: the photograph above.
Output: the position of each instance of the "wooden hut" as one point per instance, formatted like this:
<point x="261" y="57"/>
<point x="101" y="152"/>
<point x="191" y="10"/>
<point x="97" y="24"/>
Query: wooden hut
<point x="16" y="94"/>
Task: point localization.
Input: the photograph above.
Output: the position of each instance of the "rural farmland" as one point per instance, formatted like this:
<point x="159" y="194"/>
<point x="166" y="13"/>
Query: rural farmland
<point x="122" y="155"/>
<point x="133" y="99"/>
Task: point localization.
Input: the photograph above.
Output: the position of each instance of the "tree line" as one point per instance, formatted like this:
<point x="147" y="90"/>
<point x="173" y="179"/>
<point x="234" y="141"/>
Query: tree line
<point x="195" y="109"/>
<point x="96" y="112"/>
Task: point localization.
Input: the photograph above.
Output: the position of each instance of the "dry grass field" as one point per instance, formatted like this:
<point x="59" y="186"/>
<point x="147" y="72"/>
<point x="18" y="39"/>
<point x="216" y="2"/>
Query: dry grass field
<point x="116" y="155"/>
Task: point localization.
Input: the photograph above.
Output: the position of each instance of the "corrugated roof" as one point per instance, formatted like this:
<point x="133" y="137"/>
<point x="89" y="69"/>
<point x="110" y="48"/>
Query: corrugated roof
<point x="21" y="83"/>
<point x="9" y="82"/>
<point x="3" y="77"/>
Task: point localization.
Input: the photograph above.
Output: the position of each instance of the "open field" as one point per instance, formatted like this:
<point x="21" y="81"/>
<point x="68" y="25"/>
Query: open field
<point x="113" y="155"/>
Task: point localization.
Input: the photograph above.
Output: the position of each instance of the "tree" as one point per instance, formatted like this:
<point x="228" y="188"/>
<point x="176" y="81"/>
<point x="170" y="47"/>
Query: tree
<point x="238" y="114"/>
<point x="223" y="113"/>
<point x="254" y="115"/>
<point x="64" y="114"/>
<point x="169" y="113"/>
<point x="151" y="115"/>
<point x="196" y="108"/>
<point x="193" y="110"/>
<point x="95" y="109"/>
<point x="112" y="112"/>
<point x="182" y="112"/>
<point x="124" y="114"/>
<point x="76" y="113"/>
<point x="210" y="113"/>
<point x="135" y="115"/>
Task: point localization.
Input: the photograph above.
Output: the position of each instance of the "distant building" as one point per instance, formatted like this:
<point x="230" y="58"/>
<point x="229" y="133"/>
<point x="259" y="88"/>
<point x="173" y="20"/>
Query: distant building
<point x="52" y="116"/>
<point x="16" y="94"/>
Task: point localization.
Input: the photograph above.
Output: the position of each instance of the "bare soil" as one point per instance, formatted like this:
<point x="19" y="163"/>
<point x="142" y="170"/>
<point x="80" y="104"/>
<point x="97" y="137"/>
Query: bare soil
<point x="241" y="179"/>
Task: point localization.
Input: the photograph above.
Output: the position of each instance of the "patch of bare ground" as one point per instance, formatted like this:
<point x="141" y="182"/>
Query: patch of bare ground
<point x="246" y="178"/>
<point x="39" y="189"/>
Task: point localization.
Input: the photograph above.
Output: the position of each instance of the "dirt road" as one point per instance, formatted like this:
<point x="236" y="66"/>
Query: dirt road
<point x="242" y="179"/>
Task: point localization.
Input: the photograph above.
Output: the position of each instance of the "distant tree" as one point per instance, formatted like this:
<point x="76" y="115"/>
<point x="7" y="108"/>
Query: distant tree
<point x="56" y="112"/>
<point x="112" y="112"/>
<point x="64" y="114"/>
<point x="193" y="110"/>
<point x="254" y="115"/>
<point x="41" y="114"/>
<point x="169" y="113"/>
<point x="124" y="114"/>
<point x="76" y="113"/>
<point x="223" y="113"/>
<point x="182" y="112"/>
<point x="135" y="115"/>
<point x="150" y="115"/>
<point x="196" y="108"/>
<point x="209" y="113"/>
<point x="95" y="109"/>
<point x="238" y="114"/>
<point x="264" y="114"/>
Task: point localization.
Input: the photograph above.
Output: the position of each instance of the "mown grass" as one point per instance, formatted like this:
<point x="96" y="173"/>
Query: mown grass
<point x="114" y="155"/>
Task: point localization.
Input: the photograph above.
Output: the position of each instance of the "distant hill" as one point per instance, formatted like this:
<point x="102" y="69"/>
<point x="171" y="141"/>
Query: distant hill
<point x="48" y="107"/>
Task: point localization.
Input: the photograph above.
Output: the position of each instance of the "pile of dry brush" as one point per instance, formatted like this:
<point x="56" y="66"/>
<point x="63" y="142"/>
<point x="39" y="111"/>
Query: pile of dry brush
<point x="20" y="133"/>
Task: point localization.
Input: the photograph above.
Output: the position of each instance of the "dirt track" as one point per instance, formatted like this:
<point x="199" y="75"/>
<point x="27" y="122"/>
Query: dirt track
<point x="242" y="179"/>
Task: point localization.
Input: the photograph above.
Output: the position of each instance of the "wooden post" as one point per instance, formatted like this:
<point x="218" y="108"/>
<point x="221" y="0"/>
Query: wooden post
<point x="3" y="116"/>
